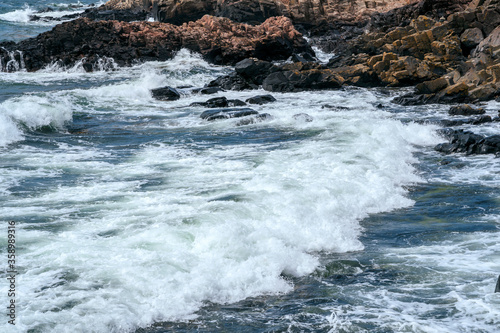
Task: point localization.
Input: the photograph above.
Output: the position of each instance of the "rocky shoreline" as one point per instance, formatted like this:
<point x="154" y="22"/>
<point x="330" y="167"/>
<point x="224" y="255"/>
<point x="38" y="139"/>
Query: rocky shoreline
<point x="448" y="50"/>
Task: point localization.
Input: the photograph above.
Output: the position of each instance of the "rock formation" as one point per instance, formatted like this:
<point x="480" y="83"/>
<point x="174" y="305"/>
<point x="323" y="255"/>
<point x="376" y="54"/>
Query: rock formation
<point x="219" y="40"/>
<point x="300" y="11"/>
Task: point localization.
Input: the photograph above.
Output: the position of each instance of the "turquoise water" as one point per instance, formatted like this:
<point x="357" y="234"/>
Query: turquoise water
<point x="134" y="215"/>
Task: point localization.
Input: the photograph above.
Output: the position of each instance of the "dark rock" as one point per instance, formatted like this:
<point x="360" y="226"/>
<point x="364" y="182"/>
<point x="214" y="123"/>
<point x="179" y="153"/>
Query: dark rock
<point x="497" y="287"/>
<point x="460" y="142"/>
<point x="235" y="102"/>
<point x="254" y="119"/>
<point x="166" y="94"/>
<point x="303" y="117"/>
<point x="233" y="81"/>
<point x="433" y="86"/>
<point x="469" y="143"/>
<point x="207" y="90"/>
<point x="125" y="15"/>
<point x="309" y="79"/>
<point x="482" y="120"/>
<point x="261" y="99"/>
<point x="227" y="113"/>
<point x="465" y="110"/>
<point x="128" y="42"/>
<point x="472" y="121"/>
<point x="304" y="57"/>
<point x="217" y="102"/>
<point x="253" y="70"/>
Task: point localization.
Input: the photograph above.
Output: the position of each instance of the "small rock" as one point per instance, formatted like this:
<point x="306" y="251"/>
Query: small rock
<point x="253" y="120"/>
<point x="207" y="90"/>
<point x="464" y="110"/>
<point x="165" y="94"/>
<point x="303" y="117"/>
<point x="227" y="113"/>
<point x="217" y="102"/>
<point x="261" y="99"/>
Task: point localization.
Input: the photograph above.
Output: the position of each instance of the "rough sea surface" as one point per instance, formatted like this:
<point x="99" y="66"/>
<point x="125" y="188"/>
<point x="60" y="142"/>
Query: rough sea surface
<point x="135" y="215"/>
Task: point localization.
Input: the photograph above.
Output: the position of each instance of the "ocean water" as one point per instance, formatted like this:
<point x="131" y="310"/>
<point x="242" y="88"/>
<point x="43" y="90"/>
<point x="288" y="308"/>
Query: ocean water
<point x="135" y="215"/>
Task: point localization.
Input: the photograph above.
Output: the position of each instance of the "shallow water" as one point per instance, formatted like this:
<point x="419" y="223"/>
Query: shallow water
<point x="135" y="215"/>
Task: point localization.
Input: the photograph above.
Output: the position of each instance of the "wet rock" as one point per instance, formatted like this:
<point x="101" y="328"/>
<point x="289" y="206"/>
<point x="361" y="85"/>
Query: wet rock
<point x="460" y="142"/>
<point x="232" y="81"/>
<point x="253" y="70"/>
<point x="465" y="110"/>
<point x="261" y="99"/>
<point x="218" y="114"/>
<point x="303" y="117"/>
<point x="254" y="119"/>
<point x="165" y="94"/>
<point x="309" y="79"/>
<point x="217" y="102"/>
<point x="207" y="90"/>
<point x="235" y="102"/>
<point x="469" y="143"/>
<point x="127" y="42"/>
<point x="471" y="121"/>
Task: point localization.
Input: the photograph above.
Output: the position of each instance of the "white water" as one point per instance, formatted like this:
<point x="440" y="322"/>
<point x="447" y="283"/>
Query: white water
<point x="152" y="235"/>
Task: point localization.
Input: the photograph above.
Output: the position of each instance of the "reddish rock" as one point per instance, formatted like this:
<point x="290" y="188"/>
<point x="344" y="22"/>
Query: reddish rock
<point x="219" y="40"/>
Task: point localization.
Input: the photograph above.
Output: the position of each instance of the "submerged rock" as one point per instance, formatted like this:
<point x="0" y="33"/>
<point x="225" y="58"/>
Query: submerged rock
<point x="254" y="119"/>
<point x="303" y="117"/>
<point x="227" y="113"/>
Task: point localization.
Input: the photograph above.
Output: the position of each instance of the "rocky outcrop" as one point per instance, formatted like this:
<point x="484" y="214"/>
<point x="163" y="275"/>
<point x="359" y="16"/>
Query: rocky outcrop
<point x="219" y="40"/>
<point x="255" y="11"/>
<point x="460" y="141"/>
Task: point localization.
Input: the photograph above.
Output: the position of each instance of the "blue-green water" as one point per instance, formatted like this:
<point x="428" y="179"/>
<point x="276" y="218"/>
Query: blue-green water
<point x="135" y="215"/>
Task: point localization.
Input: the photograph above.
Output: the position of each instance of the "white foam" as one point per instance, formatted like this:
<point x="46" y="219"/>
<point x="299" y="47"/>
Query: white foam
<point x="18" y="15"/>
<point x="152" y="236"/>
<point x="446" y="287"/>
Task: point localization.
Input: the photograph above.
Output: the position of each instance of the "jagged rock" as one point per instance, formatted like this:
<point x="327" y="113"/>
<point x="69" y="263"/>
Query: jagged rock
<point x="255" y="11"/>
<point x="471" y="38"/>
<point x="165" y="94"/>
<point x="253" y="70"/>
<point x="261" y="99"/>
<point x="433" y="86"/>
<point x="472" y="121"/>
<point x="219" y="40"/>
<point x="232" y="81"/>
<point x="465" y="110"/>
<point x="227" y="113"/>
<point x="310" y="79"/>
<point x="460" y="141"/>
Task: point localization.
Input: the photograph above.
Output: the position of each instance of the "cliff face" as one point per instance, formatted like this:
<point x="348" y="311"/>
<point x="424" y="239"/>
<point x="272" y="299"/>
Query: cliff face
<point x="300" y="11"/>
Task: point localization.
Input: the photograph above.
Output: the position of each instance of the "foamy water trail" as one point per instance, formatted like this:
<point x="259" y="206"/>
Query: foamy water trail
<point x="119" y="232"/>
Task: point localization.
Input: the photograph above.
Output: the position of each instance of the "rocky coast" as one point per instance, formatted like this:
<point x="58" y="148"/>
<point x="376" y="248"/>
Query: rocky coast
<point x="448" y="50"/>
